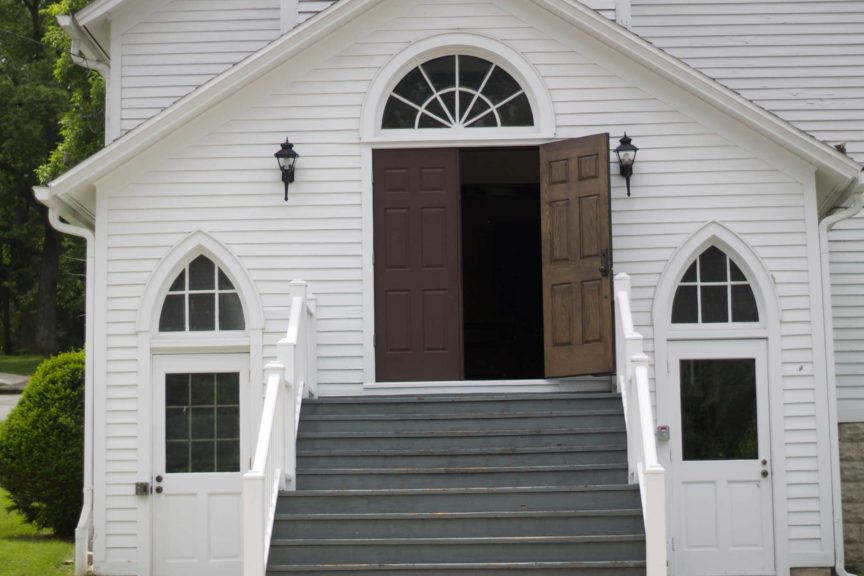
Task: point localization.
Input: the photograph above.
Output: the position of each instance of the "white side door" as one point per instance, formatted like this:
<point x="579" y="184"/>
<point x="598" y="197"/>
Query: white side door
<point x="199" y="454"/>
<point x="722" y="513"/>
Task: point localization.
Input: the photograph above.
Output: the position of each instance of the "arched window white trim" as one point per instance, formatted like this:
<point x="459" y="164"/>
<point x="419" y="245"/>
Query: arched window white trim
<point x="715" y="234"/>
<point x="482" y="47"/>
<point x="198" y="243"/>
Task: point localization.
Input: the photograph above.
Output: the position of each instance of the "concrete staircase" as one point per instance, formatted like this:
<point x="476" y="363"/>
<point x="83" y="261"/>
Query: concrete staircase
<point x="461" y="485"/>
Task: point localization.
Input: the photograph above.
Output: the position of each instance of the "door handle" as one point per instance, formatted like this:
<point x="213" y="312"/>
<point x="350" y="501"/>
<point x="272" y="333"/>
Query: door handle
<point x="604" y="262"/>
<point x="764" y="473"/>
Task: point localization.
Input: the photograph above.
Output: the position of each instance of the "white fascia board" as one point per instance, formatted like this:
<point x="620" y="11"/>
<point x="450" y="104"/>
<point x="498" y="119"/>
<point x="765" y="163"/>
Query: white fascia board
<point x="838" y="169"/>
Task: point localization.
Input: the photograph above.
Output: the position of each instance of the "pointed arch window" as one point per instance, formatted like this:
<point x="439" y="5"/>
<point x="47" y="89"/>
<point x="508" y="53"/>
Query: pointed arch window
<point x="714" y="290"/>
<point x="457" y="91"/>
<point x="201" y="299"/>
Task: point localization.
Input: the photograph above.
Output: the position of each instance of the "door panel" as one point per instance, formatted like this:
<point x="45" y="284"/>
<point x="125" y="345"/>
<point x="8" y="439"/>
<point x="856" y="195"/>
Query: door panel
<point x="418" y="302"/>
<point x="575" y="219"/>
<point x="722" y="509"/>
<point x="198" y="456"/>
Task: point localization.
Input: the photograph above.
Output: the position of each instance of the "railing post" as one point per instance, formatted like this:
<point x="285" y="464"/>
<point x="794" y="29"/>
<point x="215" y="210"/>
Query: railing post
<point x="253" y="524"/>
<point x="621" y="284"/>
<point x="655" y="530"/>
<point x="290" y="432"/>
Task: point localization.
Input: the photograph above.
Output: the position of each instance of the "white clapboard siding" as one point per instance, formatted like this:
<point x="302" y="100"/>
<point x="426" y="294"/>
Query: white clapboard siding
<point x="226" y="183"/>
<point x="184" y="44"/>
<point x="803" y="61"/>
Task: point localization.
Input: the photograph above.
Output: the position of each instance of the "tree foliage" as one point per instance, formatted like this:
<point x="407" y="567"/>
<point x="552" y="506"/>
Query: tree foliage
<point x="42" y="446"/>
<point x="51" y="119"/>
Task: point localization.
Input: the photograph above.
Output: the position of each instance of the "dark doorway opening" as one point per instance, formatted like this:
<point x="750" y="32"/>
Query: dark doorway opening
<point x="502" y="289"/>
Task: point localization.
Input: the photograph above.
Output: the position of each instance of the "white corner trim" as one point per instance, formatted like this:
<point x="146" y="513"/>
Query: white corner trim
<point x="444" y="45"/>
<point x="289" y="14"/>
<point x="622" y="12"/>
<point x="194" y="245"/>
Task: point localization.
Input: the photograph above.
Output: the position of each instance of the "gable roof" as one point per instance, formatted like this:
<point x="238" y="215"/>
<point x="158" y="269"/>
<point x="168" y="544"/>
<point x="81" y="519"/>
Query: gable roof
<point x="839" y="175"/>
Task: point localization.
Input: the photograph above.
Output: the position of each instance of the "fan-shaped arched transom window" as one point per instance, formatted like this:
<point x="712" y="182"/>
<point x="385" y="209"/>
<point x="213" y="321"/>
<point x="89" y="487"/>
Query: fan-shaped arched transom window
<point x="714" y="290"/>
<point x="457" y="92"/>
<point x="201" y="299"/>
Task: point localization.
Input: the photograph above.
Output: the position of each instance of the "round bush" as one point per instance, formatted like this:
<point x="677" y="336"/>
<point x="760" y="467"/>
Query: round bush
<point x="42" y="445"/>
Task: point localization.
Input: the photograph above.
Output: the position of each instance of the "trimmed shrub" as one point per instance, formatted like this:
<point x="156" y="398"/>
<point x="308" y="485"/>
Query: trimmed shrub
<point x="42" y="446"/>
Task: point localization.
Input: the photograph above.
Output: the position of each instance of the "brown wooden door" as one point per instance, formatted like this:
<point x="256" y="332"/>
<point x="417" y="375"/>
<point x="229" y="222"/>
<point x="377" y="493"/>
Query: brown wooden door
<point x="418" y="315"/>
<point x="575" y="220"/>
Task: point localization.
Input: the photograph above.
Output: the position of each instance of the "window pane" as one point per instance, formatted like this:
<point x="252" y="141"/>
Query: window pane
<point x="202" y="274"/>
<point x="179" y="284"/>
<point x="202" y="312"/>
<point x="744" y="304"/>
<point x="500" y="86"/>
<point x="414" y="88"/>
<point x="203" y="423"/>
<point x="685" y="307"/>
<point x="177" y="423"/>
<point x="442" y="72"/>
<point x="449" y="100"/>
<point x="173" y="316"/>
<point x="736" y="273"/>
<point x="397" y="114"/>
<point x="427" y="121"/>
<point x="224" y="282"/>
<point x="718" y="409"/>
<point x="690" y="275"/>
<point x="715" y="304"/>
<point x="712" y="265"/>
<point x="517" y="112"/>
<point x="228" y="423"/>
<point x="230" y="312"/>
<point x="177" y="389"/>
<point x="228" y="389"/>
<point x="176" y="457"/>
<point x="228" y="456"/>
<point x="472" y="72"/>
<point x="203" y="390"/>
<point x="479" y="107"/>
<point x="486" y="121"/>
<point x="203" y="457"/>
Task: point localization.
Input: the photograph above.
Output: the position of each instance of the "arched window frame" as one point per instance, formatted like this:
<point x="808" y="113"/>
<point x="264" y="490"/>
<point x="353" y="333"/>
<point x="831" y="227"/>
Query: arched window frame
<point x="469" y="45"/>
<point x="198" y="244"/>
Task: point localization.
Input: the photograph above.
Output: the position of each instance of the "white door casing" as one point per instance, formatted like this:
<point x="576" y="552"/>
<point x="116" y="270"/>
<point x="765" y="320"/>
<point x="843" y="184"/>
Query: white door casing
<point x="197" y="517"/>
<point x="722" y="510"/>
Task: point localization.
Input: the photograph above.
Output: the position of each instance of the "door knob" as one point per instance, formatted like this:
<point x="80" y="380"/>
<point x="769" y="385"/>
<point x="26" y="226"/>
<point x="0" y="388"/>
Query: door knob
<point x="764" y="475"/>
<point x="158" y="489"/>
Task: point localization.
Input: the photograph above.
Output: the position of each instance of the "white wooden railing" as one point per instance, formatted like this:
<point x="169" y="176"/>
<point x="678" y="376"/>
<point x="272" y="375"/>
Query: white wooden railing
<point x="290" y="378"/>
<point x="643" y="464"/>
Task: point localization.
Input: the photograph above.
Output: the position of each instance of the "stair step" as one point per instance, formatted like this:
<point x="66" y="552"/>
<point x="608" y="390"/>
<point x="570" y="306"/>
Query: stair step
<point x="596" y="568"/>
<point x="448" y="404"/>
<point x="462" y="438"/>
<point x="461" y="499"/>
<point x="359" y="478"/>
<point x="437" y="550"/>
<point x="412" y="422"/>
<point x="459" y="524"/>
<point x="537" y="456"/>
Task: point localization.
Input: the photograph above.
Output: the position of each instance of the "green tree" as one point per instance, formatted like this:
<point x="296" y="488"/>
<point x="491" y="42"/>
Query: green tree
<point x="50" y="120"/>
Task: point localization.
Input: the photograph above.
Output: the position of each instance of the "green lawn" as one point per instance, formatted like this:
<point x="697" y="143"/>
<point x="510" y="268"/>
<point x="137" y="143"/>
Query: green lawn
<point x="24" y="365"/>
<point x="24" y="551"/>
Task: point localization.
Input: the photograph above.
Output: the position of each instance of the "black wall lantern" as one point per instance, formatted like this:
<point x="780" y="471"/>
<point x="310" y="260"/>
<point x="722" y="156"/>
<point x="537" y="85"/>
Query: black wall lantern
<point x="287" y="158"/>
<point x="626" y="153"/>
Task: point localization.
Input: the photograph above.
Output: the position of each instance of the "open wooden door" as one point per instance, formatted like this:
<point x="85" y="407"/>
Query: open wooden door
<point x="577" y="248"/>
<point x="418" y="303"/>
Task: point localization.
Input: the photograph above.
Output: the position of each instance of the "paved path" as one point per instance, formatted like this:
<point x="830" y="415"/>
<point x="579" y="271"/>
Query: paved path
<point x="11" y="386"/>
